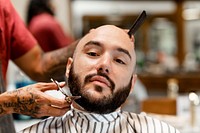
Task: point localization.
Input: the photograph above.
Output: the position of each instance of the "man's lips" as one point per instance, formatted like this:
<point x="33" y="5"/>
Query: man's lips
<point x="100" y="79"/>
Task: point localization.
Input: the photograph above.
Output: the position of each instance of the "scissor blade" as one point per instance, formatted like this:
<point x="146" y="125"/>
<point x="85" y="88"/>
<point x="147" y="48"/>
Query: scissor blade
<point x="59" y="88"/>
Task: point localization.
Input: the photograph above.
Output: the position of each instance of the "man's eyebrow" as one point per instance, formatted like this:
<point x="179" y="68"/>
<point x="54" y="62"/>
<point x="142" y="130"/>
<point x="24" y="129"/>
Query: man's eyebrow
<point x="124" y="51"/>
<point x="92" y="43"/>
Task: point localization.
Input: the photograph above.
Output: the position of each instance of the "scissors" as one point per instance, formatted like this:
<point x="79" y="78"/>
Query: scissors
<point x="68" y="97"/>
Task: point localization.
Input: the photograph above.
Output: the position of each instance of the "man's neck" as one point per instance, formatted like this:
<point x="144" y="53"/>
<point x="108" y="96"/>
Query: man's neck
<point x="77" y="106"/>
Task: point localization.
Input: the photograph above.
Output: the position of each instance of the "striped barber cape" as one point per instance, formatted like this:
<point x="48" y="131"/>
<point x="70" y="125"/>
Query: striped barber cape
<point x="76" y="121"/>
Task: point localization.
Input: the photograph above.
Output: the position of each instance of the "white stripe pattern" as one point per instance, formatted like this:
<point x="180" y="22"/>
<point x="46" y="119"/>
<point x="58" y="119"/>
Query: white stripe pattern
<point x="76" y="121"/>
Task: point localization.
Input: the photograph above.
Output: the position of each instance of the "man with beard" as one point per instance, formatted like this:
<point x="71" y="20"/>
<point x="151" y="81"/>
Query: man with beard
<point x="102" y="72"/>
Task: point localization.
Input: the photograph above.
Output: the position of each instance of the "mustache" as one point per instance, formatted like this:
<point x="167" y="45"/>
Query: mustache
<point x="88" y="77"/>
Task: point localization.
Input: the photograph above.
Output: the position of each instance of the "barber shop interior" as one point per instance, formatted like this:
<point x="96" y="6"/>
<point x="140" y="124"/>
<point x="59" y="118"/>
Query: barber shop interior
<point x="167" y="49"/>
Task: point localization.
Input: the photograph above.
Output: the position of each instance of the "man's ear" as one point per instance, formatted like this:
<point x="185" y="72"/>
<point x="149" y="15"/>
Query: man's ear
<point x="68" y="66"/>
<point x="133" y="82"/>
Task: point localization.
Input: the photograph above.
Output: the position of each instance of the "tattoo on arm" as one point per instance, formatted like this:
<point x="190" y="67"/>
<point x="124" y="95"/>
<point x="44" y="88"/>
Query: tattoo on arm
<point x="23" y="104"/>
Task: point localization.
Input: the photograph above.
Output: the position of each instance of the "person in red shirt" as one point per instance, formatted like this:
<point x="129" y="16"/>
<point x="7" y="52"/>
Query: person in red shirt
<point x="18" y="44"/>
<point x="44" y="27"/>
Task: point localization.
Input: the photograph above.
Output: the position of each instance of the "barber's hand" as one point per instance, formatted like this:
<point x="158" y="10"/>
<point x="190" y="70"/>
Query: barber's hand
<point x="31" y="100"/>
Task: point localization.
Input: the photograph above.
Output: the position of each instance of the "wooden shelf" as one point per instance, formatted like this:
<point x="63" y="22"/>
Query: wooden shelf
<point x="187" y="82"/>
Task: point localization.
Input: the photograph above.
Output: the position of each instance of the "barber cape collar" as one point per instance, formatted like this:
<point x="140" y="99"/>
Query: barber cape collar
<point x="106" y="118"/>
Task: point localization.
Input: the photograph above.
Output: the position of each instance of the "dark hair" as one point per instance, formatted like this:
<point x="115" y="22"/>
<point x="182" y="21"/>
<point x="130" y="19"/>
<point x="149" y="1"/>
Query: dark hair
<point x="36" y="7"/>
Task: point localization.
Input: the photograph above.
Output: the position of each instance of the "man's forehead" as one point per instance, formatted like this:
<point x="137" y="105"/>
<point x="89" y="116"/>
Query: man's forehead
<point x="108" y="30"/>
<point x="108" y="34"/>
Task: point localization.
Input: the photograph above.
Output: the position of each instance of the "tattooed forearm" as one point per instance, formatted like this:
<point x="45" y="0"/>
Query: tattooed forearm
<point x="23" y="103"/>
<point x="26" y="105"/>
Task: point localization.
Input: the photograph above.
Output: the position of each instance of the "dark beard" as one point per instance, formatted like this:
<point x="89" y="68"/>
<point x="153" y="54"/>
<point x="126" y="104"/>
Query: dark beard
<point x="104" y="105"/>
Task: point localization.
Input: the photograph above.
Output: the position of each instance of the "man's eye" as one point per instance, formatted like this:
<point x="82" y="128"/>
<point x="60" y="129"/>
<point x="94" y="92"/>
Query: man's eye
<point x="120" y="61"/>
<point x="92" y="54"/>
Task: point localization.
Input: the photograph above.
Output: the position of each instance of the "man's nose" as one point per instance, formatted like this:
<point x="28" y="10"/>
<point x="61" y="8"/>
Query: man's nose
<point x="104" y="66"/>
<point x="103" y="70"/>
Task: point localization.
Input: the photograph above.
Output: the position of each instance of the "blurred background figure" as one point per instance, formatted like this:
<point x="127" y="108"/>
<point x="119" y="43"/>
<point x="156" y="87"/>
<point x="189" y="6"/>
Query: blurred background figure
<point x="44" y="27"/>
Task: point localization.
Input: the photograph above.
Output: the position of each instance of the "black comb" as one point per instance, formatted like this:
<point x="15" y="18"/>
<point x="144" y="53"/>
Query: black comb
<point x="138" y="22"/>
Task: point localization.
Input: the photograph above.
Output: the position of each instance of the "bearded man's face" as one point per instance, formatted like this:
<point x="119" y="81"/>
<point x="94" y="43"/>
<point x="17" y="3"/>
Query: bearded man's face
<point x="102" y="70"/>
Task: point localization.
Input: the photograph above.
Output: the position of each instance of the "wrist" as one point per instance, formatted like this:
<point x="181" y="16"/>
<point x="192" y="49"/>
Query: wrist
<point x="6" y="103"/>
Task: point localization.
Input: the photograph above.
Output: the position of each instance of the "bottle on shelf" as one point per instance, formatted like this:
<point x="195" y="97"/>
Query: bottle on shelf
<point x="173" y="88"/>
